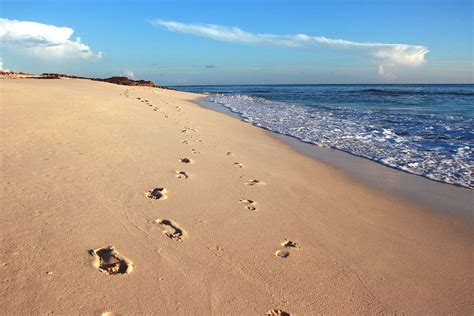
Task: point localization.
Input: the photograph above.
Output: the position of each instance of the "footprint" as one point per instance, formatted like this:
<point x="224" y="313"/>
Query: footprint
<point x="157" y="194"/>
<point x="185" y="160"/>
<point x="254" y="182"/>
<point x="277" y="312"/>
<point x="250" y="205"/>
<point x="228" y="153"/>
<point x="185" y="142"/>
<point x="181" y="175"/>
<point x="290" y="244"/>
<point x="194" y="151"/>
<point x="238" y="164"/>
<point x="171" y="229"/>
<point x="109" y="261"/>
<point x="282" y="253"/>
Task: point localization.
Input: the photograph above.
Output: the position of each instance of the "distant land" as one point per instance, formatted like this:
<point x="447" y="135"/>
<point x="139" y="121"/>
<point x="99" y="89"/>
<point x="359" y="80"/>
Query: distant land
<point x="124" y="81"/>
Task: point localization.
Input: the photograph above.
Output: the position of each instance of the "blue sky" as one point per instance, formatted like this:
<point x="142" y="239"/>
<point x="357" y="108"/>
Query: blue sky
<point x="194" y="42"/>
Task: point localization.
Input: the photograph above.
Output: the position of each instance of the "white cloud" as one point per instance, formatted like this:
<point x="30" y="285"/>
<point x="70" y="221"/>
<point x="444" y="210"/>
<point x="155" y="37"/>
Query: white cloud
<point x="1" y="66"/>
<point x="403" y="54"/>
<point x="385" y="74"/>
<point x="128" y="73"/>
<point x="43" y="40"/>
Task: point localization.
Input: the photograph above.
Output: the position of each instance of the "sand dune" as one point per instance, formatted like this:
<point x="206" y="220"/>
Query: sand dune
<point x="232" y="221"/>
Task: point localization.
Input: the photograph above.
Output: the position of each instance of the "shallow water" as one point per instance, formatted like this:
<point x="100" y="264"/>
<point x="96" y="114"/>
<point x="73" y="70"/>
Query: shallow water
<point x="422" y="129"/>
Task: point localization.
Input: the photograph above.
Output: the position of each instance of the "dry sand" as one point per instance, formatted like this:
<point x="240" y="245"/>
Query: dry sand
<point x="134" y="200"/>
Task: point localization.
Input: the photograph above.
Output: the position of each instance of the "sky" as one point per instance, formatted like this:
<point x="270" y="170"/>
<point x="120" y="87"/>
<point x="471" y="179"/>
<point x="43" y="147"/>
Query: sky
<point x="242" y="42"/>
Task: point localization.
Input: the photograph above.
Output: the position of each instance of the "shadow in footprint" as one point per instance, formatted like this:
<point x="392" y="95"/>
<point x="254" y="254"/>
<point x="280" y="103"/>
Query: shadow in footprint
<point x="185" y="160"/>
<point x="157" y="194"/>
<point x="171" y="229"/>
<point x="290" y="244"/>
<point x="253" y="182"/>
<point x="181" y="175"/>
<point x="109" y="261"/>
<point x="282" y="253"/>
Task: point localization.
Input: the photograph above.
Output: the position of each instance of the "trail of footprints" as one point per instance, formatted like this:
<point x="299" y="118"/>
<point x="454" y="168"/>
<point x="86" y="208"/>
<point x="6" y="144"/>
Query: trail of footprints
<point x="148" y="103"/>
<point x="109" y="261"/>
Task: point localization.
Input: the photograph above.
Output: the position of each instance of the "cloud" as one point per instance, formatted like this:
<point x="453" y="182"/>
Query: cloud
<point x="210" y="66"/>
<point x="385" y="74"/>
<point x="43" y="40"/>
<point x="128" y="73"/>
<point x="402" y="54"/>
<point x="1" y="66"/>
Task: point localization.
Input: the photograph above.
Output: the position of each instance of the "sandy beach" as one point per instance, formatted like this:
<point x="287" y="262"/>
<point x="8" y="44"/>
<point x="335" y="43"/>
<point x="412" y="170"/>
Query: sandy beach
<point x="135" y="200"/>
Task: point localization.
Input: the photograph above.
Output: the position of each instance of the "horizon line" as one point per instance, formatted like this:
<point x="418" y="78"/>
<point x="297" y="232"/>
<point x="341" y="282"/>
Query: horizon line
<point x="311" y="84"/>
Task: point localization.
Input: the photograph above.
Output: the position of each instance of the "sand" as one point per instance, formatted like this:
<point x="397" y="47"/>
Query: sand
<point x="134" y="200"/>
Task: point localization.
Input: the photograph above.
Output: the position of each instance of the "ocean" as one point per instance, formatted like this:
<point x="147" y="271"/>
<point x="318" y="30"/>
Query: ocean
<point x="426" y="130"/>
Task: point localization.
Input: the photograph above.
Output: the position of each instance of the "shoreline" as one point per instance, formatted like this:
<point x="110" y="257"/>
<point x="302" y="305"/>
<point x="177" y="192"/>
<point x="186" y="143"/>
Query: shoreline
<point x="439" y="196"/>
<point x="134" y="200"/>
<point x="404" y="128"/>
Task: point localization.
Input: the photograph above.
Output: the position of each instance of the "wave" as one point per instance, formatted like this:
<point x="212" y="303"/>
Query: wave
<point x="388" y="92"/>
